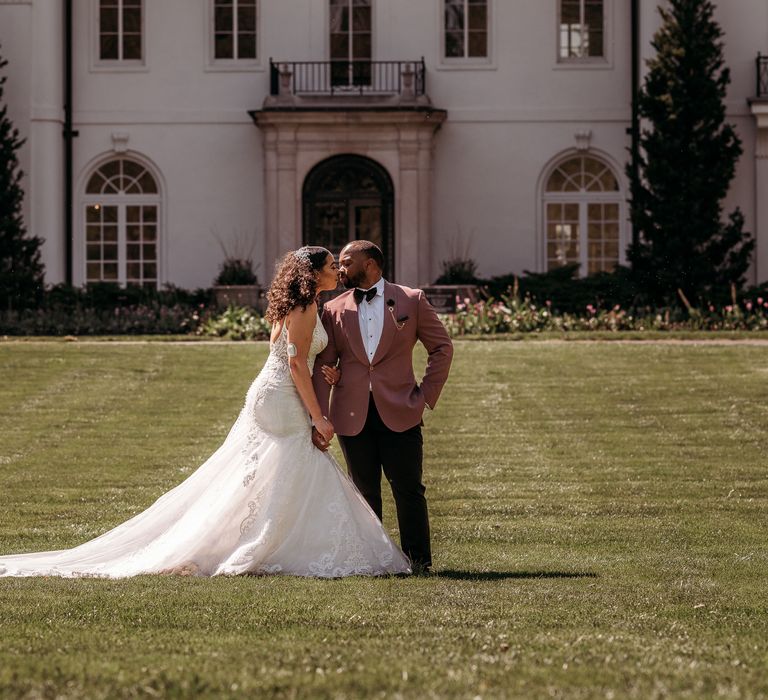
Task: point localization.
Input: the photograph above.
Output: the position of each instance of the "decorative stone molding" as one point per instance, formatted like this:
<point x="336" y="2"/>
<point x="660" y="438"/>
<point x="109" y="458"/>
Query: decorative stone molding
<point x="759" y="109"/>
<point x="583" y="139"/>
<point x="120" y="142"/>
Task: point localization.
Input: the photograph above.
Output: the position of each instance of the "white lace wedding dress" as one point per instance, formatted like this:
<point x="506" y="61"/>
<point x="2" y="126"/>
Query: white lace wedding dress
<point x="266" y="502"/>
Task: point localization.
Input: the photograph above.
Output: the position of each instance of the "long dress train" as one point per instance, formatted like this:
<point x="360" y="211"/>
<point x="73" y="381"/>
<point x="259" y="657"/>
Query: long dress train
<point x="266" y="502"/>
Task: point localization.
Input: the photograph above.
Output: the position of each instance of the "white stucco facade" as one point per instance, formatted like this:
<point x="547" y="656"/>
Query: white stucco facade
<point x="225" y="166"/>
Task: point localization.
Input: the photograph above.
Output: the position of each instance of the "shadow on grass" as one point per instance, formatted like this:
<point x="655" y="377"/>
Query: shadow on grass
<point x="500" y="575"/>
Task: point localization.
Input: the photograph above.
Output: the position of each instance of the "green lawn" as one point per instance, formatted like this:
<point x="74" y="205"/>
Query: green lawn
<point x="600" y="520"/>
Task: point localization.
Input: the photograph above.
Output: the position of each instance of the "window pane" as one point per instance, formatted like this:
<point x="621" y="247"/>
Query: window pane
<point x="133" y="271"/>
<point x="150" y="232"/>
<point x="454" y="44"/>
<point x="150" y="213"/>
<point x="133" y="251"/>
<point x="110" y="234"/>
<point x="556" y="181"/>
<point x="223" y="19"/>
<point x="361" y="46"/>
<point x="93" y="252"/>
<point x="93" y="272"/>
<point x="478" y="17"/>
<point x="361" y="19"/>
<point x="611" y="212"/>
<point x="132" y="47"/>
<point x="224" y="46"/>
<point x="478" y="44"/>
<point x="110" y="272"/>
<point x="108" y="47"/>
<point x="93" y="214"/>
<point x="246" y="18"/>
<point x="150" y="270"/>
<point x="110" y="214"/>
<point x="340" y="46"/>
<point x="454" y="15"/>
<point x="133" y="233"/>
<point x="246" y="46"/>
<point x="108" y="20"/>
<point x="132" y="20"/>
<point x="593" y="27"/>
<point x="148" y="251"/>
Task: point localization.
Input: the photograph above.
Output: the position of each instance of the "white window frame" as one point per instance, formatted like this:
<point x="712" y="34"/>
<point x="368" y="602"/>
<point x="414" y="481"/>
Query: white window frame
<point x="234" y="64"/>
<point x="589" y="62"/>
<point x="116" y="65"/>
<point x="583" y="199"/>
<point x="467" y="62"/>
<point x="121" y="201"/>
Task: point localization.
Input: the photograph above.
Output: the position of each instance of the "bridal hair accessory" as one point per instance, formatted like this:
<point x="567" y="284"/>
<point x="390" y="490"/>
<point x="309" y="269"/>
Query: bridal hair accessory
<point x="302" y="254"/>
<point x="399" y="322"/>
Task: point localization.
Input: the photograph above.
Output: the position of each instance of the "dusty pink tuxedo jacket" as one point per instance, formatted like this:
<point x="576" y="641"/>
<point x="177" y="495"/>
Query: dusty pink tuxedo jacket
<point x="399" y="399"/>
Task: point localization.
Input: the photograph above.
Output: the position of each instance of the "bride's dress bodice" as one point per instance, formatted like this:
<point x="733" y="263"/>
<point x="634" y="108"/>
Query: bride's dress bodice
<point x="273" y="405"/>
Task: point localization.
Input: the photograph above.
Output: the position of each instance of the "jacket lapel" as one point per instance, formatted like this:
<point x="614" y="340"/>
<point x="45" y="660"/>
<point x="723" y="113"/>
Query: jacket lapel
<point x="351" y="324"/>
<point x="388" y="330"/>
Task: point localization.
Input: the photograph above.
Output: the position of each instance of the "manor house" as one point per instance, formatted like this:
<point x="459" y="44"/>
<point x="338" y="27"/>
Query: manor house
<point x="162" y="133"/>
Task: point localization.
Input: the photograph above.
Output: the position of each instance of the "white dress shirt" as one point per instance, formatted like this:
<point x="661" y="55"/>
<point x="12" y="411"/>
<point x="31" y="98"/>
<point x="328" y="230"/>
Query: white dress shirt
<point x="370" y="314"/>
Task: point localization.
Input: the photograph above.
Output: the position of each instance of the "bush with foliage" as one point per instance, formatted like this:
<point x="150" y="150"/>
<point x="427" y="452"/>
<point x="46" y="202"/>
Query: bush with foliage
<point x="236" y="323"/>
<point x="235" y="271"/>
<point x="106" y="309"/>
<point x="688" y="155"/>
<point x="21" y="270"/>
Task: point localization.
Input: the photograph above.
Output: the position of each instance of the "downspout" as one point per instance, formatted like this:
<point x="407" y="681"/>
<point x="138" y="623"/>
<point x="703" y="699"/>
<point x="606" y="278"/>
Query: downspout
<point x="635" y="128"/>
<point x="69" y="136"/>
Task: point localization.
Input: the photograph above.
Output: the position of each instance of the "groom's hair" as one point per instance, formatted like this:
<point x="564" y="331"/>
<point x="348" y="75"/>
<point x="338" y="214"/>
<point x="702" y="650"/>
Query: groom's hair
<point x="370" y="250"/>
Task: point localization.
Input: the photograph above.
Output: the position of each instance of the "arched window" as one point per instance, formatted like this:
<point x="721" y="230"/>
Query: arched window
<point x="582" y="204"/>
<point x="122" y="205"/>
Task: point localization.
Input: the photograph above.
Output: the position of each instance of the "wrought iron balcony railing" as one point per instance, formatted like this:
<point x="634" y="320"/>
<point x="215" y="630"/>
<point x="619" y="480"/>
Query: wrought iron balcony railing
<point x="762" y="75"/>
<point x="347" y="77"/>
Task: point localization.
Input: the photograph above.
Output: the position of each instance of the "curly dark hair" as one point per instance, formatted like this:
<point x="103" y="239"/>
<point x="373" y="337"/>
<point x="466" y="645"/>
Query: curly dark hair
<point x="295" y="283"/>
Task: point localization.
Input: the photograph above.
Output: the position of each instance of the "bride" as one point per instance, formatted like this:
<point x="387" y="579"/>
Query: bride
<point x="267" y="501"/>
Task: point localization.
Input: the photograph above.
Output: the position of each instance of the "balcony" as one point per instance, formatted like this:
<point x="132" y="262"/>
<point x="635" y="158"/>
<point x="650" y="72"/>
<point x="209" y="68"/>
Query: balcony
<point x="347" y="84"/>
<point x="762" y="76"/>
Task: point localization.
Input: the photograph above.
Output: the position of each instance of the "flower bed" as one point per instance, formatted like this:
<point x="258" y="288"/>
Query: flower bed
<point x="510" y="314"/>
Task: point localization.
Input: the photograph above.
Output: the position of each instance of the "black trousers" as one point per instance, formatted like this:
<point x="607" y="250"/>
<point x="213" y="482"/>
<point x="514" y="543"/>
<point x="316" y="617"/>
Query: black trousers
<point x="400" y="455"/>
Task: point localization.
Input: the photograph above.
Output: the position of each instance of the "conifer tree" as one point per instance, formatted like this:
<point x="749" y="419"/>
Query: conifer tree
<point x="21" y="271"/>
<point x="688" y="155"/>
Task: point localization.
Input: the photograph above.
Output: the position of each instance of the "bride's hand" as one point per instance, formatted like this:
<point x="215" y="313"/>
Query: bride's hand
<point x="325" y="428"/>
<point x="332" y="375"/>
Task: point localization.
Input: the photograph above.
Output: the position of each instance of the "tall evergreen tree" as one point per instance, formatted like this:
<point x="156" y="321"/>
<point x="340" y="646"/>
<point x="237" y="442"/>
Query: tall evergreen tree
<point x="21" y="271"/>
<point x="688" y="155"/>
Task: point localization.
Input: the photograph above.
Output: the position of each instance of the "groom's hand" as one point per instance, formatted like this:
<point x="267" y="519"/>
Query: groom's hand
<point x="318" y="440"/>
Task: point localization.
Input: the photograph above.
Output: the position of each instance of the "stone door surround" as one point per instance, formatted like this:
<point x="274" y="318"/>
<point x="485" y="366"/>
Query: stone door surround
<point x="400" y="140"/>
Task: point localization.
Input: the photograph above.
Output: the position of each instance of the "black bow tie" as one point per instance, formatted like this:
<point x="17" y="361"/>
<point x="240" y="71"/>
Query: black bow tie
<point x="366" y="294"/>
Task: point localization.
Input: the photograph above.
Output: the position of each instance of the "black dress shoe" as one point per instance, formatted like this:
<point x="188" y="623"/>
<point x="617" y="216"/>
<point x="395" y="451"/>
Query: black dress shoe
<point x="421" y="569"/>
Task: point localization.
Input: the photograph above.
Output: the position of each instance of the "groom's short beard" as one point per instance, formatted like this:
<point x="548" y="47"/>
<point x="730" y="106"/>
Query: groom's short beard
<point x="352" y="282"/>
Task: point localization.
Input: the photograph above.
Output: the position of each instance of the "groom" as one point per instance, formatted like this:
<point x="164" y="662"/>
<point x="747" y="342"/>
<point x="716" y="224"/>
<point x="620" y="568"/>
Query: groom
<point x="377" y="405"/>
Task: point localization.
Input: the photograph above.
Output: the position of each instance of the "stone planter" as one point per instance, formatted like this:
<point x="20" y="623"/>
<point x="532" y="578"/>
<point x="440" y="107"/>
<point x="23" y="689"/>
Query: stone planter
<point x="240" y="295"/>
<point x="443" y="296"/>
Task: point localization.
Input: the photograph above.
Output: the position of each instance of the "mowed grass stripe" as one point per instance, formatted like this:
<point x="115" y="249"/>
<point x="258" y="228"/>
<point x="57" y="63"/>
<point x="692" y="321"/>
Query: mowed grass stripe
<point x="598" y="512"/>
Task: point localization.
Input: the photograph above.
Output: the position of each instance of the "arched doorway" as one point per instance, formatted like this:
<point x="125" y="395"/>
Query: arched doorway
<point x="346" y="198"/>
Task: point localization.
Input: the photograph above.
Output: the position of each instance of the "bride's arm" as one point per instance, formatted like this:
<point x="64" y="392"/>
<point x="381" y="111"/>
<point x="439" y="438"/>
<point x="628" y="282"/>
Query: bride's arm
<point x="300" y="325"/>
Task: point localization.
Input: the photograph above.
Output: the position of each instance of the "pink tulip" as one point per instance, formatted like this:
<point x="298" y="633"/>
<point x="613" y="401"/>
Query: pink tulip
<point x="748" y="305"/>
